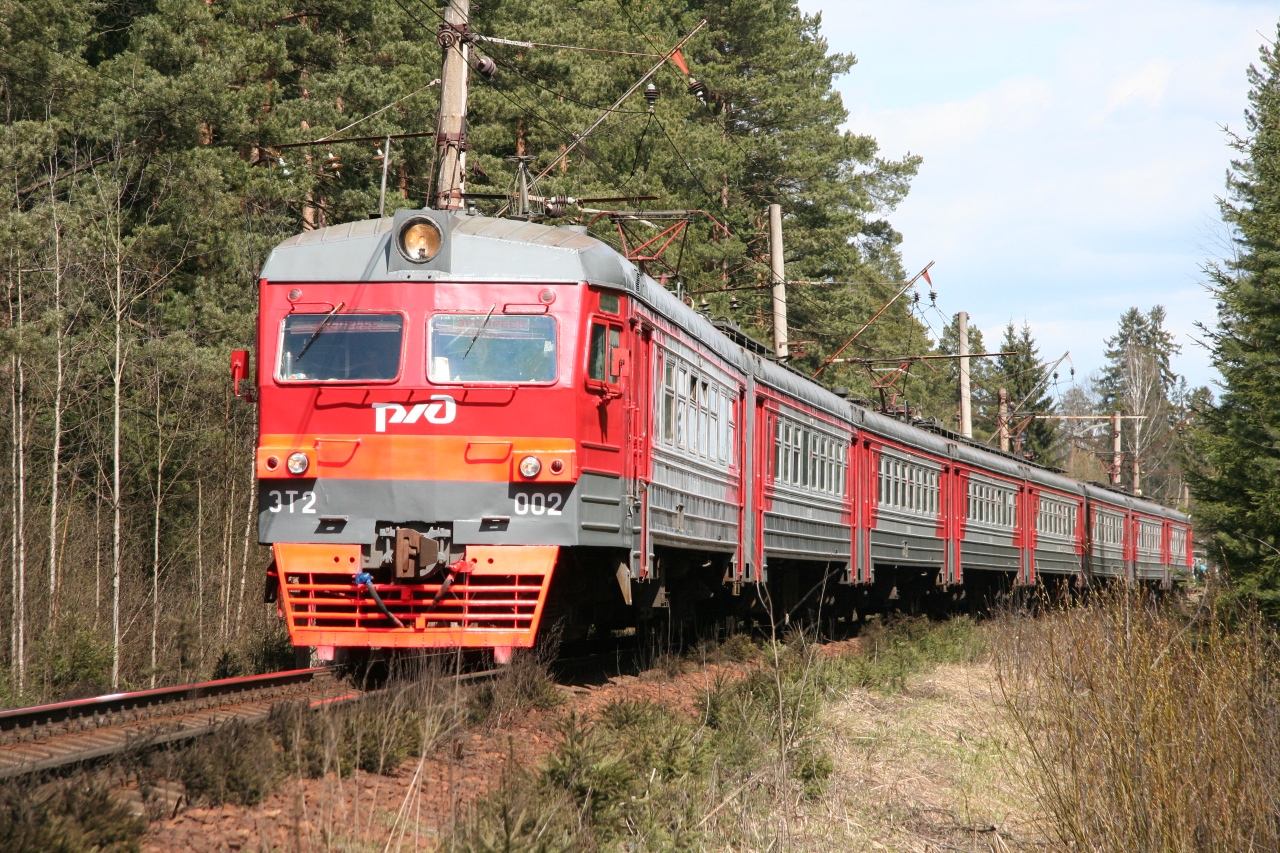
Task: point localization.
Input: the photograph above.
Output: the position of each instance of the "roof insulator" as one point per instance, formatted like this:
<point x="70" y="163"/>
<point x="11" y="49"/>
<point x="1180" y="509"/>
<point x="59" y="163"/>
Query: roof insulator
<point x="651" y="95"/>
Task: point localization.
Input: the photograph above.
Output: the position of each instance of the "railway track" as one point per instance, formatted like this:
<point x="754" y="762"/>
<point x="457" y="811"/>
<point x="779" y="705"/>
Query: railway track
<point x="46" y="737"/>
<point x="62" y="734"/>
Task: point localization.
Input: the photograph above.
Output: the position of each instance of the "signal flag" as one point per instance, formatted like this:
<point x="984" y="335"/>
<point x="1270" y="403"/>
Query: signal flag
<point x="678" y="59"/>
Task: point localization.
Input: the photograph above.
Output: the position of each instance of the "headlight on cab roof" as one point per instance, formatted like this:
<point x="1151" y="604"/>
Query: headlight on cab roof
<point x="419" y="239"/>
<point x="530" y="467"/>
<point x="298" y="463"/>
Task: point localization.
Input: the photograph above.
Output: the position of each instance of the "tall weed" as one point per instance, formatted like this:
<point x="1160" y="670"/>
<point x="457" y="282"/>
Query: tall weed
<point x="1148" y="727"/>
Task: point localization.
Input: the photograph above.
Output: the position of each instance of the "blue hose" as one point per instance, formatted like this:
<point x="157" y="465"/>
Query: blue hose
<point x="365" y="580"/>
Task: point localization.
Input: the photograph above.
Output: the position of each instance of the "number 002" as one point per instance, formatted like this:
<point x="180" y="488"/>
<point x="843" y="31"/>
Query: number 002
<point x="538" y="503"/>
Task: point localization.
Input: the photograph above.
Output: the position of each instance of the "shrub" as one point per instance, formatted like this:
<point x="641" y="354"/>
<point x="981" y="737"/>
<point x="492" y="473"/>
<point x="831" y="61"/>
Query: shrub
<point x="376" y="734"/>
<point x="894" y="650"/>
<point x="525" y="682"/>
<point x="67" y="817"/>
<point x="1148" y="728"/>
<point x="237" y="765"/>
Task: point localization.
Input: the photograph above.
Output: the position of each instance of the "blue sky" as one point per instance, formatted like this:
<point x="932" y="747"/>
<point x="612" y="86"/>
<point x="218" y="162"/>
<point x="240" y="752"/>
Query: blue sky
<point x="1072" y="153"/>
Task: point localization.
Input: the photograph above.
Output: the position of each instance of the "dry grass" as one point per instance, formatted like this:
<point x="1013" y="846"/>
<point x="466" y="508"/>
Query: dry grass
<point x="1148" y="727"/>
<point x="927" y="768"/>
<point x="525" y="683"/>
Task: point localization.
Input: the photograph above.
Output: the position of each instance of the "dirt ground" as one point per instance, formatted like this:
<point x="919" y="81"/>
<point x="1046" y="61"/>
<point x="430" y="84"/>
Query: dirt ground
<point x="413" y="808"/>
<point x="927" y="769"/>
<point x="932" y="768"/>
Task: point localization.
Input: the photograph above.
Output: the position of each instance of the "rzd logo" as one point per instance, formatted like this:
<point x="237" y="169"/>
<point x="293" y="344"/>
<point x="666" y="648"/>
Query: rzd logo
<point x="441" y="410"/>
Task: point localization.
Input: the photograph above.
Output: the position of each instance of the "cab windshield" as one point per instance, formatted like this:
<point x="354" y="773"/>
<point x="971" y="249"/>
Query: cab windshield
<point x="491" y="347"/>
<point x="340" y="347"/>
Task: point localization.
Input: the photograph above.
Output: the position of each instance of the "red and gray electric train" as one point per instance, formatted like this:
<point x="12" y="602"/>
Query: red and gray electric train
<point x="470" y="426"/>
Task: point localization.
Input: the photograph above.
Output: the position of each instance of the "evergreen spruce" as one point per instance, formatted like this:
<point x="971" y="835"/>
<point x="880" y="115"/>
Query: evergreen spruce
<point x="1237" y="442"/>
<point x="1029" y="388"/>
<point x="1138" y="380"/>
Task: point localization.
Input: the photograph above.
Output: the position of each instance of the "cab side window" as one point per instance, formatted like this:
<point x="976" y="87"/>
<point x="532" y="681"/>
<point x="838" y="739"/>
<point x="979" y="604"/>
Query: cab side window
<point x="606" y="338"/>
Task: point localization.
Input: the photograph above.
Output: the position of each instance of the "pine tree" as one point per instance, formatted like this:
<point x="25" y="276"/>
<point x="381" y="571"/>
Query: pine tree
<point x="1237" y="481"/>
<point x="1025" y="379"/>
<point x="160" y="126"/>
<point x="1139" y="382"/>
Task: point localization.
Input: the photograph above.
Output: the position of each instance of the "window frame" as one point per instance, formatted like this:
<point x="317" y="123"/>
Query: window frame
<point x="498" y="383"/>
<point x="612" y="383"/>
<point x="695" y="411"/>
<point x="993" y="505"/>
<point x="404" y="343"/>
<point x="910" y="487"/>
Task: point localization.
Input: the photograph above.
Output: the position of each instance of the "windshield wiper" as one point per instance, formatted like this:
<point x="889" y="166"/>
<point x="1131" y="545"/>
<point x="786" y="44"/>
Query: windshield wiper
<point x="479" y="330"/>
<point x="311" y="340"/>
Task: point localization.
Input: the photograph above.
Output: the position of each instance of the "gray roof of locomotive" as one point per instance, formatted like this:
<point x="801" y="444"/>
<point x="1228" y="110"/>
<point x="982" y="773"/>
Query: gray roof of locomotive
<point x="484" y="249"/>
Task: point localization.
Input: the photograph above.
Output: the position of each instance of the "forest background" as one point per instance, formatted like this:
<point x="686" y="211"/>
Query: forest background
<point x="146" y="182"/>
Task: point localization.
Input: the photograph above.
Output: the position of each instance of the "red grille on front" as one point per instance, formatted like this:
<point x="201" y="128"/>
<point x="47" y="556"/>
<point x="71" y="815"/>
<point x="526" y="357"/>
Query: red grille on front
<point x="484" y="602"/>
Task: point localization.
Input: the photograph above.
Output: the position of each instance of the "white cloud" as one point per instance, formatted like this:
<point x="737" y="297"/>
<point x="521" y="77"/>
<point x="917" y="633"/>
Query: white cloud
<point x="1072" y="151"/>
<point x="1146" y="85"/>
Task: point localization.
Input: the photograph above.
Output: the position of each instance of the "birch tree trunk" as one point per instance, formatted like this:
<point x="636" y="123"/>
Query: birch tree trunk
<point x="97" y="553"/>
<point x="200" y="567"/>
<point x="117" y="373"/>
<point x="58" y="385"/>
<point x="227" y="539"/>
<point x="13" y="483"/>
<point x="244" y="557"/>
<point x="155" y="537"/>
<point x="20" y="521"/>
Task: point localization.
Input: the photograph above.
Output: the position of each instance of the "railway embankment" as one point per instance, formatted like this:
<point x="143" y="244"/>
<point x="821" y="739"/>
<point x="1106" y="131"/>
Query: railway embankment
<point x="1114" y="724"/>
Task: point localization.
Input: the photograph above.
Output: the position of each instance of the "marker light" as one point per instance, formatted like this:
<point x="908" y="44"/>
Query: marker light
<point x="556" y="466"/>
<point x="419" y="239"/>
<point x="529" y="467"/>
<point x="298" y="463"/>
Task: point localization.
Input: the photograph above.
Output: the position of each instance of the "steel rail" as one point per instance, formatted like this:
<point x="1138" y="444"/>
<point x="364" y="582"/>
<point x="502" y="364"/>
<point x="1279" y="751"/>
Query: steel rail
<point x="45" y="737"/>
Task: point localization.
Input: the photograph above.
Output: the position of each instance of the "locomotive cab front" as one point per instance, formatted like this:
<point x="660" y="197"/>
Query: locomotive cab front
<point x="423" y="385"/>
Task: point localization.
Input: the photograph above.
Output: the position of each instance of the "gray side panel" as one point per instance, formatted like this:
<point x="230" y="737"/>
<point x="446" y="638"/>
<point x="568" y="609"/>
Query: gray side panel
<point x="691" y="506"/>
<point x="796" y="529"/>
<point x="1149" y="566"/>
<point x="1107" y="561"/>
<point x="901" y="538"/>
<point x="602" y="511"/>
<point x="989" y="549"/>
<point x="1056" y="557"/>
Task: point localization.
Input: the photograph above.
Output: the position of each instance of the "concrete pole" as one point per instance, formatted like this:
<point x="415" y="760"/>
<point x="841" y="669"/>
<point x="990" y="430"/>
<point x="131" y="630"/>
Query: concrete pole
<point x="966" y="412"/>
<point x="1002" y="420"/>
<point x="1137" y="475"/>
<point x="1117" y="456"/>
<point x="451" y="128"/>
<point x="778" y="268"/>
